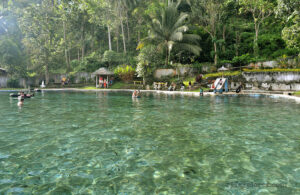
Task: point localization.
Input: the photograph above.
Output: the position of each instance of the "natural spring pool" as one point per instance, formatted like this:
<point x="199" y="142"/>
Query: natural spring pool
<point x="108" y="143"/>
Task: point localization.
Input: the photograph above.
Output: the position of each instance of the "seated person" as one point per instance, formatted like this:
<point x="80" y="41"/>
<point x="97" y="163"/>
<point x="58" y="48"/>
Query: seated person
<point x="63" y="80"/>
<point x="158" y="86"/>
<point x="190" y="85"/>
<point x="182" y="87"/>
<point x="174" y="87"/>
<point x="154" y="86"/>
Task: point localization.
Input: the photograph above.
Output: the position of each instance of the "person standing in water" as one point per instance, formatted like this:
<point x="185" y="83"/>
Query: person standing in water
<point x="134" y="94"/>
<point x="201" y="91"/>
<point x="20" y="102"/>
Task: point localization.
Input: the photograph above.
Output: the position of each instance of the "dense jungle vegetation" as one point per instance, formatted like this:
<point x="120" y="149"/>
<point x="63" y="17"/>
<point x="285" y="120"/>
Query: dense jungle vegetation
<point x="40" y="37"/>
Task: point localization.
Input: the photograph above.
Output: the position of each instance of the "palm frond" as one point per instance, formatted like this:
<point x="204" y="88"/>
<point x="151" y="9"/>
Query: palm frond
<point x="180" y="21"/>
<point x="191" y="38"/>
<point x="188" y="47"/>
<point x="177" y="36"/>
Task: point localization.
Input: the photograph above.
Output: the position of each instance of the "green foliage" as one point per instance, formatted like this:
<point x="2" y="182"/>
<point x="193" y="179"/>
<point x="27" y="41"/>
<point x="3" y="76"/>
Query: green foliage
<point x="291" y="33"/>
<point x="125" y="72"/>
<point x="90" y="63"/>
<point x="112" y="58"/>
<point x="13" y="83"/>
<point x="242" y="60"/>
<point x="284" y="52"/>
<point x="62" y="36"/>
<point x="168" y="30"/>
<point x="11" y="57"/>
<point x="198" y="66"/>
<point x="297" y="93"/>
<point x="148" y="60"/>
<point x="269" y="44"/>
<point x="220" y="74"/>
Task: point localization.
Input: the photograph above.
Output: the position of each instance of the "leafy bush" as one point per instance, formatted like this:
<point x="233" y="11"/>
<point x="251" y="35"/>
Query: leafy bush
<point x="245" y="59"/>
<point x="71" y="78"/>
<point x="270" y="43"/>
<point x="198" y="66"/>
<point x="89" y="64"/>
<point x="282" y="52"/>
<point x="125" y="72"/>
<point x="13" y="83"/>
<point x="82" y="80"/>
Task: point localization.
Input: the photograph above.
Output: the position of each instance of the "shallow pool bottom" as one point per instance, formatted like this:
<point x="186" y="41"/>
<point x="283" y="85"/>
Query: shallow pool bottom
<point x="109" y="143"/>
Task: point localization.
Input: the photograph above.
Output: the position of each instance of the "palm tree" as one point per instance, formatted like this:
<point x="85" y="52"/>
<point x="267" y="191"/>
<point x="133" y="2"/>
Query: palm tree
<point x="169" y="28"/>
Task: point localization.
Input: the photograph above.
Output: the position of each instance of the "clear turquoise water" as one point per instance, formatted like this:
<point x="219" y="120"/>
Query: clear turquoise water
<point x="107" y="143"/>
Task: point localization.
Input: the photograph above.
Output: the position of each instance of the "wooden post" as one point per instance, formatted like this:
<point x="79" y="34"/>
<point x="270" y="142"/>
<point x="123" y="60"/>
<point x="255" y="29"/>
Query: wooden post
<point x="96" y="80"/>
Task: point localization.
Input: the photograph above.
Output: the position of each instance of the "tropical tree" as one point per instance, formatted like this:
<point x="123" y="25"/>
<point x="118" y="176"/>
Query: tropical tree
<point x="39" y="26"/>
<point x="208" y="14"/>
<point x="169" y="29"/>
<point x="11" y="57"/>
<point x="260" y="10"/>
<point x="287" y="10"/>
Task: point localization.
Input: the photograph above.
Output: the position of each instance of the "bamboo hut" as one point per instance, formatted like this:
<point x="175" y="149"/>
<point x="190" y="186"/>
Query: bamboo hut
<point x="104" y="73"/>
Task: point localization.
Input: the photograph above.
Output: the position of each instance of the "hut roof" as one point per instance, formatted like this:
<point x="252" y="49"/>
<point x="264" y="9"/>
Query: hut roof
<point x="223" y="69"/>
<point x="102" y="71"/>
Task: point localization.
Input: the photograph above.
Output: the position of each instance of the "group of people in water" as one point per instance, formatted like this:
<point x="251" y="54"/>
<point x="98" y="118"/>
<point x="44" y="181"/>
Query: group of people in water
<point x="22" y="96"/>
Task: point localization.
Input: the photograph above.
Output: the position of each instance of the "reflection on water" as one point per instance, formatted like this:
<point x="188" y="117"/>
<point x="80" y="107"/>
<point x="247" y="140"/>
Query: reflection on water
<point x="109" y="143"/>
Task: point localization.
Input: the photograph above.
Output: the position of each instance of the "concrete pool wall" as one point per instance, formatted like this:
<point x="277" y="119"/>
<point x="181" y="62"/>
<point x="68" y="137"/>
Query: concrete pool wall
<point x="272" y="81"/>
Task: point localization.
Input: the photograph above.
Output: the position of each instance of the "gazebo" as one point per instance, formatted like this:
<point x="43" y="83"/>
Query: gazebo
<point x="102" y="72"/>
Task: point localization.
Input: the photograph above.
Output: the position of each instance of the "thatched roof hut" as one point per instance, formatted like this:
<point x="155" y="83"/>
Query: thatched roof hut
<point x="103" y="72"/>
<point x="100" y="74"/>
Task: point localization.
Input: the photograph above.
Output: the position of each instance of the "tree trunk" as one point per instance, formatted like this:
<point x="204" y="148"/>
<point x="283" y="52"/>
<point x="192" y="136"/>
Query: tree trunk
<point x="224" y="38"/>
<point x="82" y="40"/>
<point x="123" y="36"/>
<point x="109" y="37"/>
<point x="216" y="54"/>
<point x="78" y="54"/>
<point x="47" y="68"/>
<point x="117" y="44"/>
<point x="167" y="56"/>
<point x="139" y="36"/>
<point x="255" y="45"/>
<point x="237" y="43"/>
<point x="128" y="31"/>
<point x="65" y="45"/>
<point x="69" y="55"/>
<point x="117" y="36"/>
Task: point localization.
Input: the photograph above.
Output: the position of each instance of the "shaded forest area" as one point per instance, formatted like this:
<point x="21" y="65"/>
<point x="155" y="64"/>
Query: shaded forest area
<point x="39" y="37"/>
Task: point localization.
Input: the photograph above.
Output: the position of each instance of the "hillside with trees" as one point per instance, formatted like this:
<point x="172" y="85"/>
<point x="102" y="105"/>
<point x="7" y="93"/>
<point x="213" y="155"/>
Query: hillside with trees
<point x="40" y="37"/>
